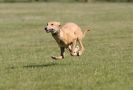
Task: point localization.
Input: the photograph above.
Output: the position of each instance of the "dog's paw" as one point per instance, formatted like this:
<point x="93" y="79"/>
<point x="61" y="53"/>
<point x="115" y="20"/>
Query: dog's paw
<point x="57" y="58"/>
<point x="79" y="53"/>
<point x="75" y="51"/>
<point x="53" y="57"/>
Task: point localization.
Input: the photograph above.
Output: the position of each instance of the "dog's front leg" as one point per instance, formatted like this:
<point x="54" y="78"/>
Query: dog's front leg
<point x="62" y="50"/>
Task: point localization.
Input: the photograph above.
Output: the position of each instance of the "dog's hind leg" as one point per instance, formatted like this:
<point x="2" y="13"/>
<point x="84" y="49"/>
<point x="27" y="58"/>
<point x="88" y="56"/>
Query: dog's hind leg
<point x="69" y="48"/>
<point x="81" y="47"/>
<point x="73" y="53"/>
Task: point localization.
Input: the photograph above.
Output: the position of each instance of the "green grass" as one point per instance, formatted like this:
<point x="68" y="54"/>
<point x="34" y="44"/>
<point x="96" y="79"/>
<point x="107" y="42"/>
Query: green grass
<point x="25" y="49"/>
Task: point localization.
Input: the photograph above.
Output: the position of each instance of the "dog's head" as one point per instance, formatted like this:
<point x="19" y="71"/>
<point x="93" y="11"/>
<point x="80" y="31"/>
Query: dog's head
<point x="52" y="27"/>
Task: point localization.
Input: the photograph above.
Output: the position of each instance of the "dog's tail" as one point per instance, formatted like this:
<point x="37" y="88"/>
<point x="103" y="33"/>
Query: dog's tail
<point x="84" y="33"/>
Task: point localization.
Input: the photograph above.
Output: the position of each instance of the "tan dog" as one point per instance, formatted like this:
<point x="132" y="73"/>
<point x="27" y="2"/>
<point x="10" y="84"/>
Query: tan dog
<point x="66" y="36"/>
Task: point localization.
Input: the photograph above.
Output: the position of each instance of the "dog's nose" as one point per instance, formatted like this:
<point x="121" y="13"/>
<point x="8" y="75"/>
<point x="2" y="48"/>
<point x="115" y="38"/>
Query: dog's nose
<point x="45" y="28"/>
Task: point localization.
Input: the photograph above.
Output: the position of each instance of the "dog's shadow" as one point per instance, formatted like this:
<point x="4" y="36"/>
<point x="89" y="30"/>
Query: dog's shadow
<point x="42" y="65"/>
<point x="35" y="65"/>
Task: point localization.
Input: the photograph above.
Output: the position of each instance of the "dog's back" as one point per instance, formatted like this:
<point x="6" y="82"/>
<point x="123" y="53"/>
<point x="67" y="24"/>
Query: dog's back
<point x="72" y="30"/>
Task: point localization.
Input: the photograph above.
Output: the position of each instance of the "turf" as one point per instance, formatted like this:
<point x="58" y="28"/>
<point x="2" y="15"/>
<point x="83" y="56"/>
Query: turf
<point x="25" y="49"/>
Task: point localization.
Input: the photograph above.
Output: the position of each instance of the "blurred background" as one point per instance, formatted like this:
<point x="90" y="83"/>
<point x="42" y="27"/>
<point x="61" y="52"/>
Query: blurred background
<point x="66" y="0"/>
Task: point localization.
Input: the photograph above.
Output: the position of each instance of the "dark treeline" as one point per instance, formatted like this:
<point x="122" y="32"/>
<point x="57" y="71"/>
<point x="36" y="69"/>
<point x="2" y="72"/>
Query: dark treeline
<point x="66" y="0"/>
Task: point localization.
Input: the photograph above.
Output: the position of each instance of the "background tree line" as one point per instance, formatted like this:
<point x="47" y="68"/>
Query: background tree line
<point x="65" y="0"/>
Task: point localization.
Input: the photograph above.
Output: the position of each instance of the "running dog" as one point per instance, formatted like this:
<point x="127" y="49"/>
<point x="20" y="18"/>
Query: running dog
<point x="66" y="36"/>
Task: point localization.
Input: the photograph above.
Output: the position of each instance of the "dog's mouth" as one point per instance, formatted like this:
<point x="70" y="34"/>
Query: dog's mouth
<point x="49" y="30"/>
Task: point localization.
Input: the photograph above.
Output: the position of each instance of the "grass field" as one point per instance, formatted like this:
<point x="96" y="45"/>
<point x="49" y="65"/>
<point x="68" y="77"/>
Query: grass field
<point x="25" y="49"/>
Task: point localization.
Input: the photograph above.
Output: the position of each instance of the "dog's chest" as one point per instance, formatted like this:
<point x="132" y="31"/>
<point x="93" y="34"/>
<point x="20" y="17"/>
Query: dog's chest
<point x="60" y="40"/>
<point x="61" y="36"/>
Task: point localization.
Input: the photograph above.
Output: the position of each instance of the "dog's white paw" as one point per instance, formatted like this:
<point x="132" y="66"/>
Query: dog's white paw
<point x="75" y="52"/>
<point x="79" y="53"/>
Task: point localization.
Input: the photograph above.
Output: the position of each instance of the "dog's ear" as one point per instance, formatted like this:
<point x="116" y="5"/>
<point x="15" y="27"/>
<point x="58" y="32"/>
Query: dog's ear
<point x="59" y="24"/>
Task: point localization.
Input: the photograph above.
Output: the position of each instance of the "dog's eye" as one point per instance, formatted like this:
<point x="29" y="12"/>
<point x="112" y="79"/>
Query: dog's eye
<point x="52" y="24"/>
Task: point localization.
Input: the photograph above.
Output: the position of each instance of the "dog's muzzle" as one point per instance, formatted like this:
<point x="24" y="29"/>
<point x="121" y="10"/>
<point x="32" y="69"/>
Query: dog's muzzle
<point x="46" y="30"/>
<point x="50" y="30"/>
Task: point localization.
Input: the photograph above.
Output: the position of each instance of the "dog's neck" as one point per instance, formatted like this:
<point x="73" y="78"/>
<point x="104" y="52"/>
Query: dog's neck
<point x="56" y="33"/>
